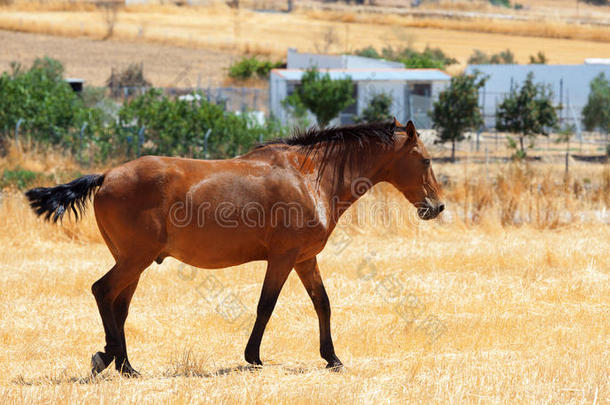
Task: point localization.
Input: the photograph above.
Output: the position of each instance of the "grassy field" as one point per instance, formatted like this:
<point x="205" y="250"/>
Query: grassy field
<point x="227" y="34"/>
<point x="462" y="309"/>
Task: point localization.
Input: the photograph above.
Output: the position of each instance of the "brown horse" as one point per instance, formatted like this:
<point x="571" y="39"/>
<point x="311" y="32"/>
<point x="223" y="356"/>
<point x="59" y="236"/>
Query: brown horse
<point x="280" y="202"/>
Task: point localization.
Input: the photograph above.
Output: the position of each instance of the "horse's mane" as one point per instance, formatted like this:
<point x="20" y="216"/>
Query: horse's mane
<point x="343" y="146"/>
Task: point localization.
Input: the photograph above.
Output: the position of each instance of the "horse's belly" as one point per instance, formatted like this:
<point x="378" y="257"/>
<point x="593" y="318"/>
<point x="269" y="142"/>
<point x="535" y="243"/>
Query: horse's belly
<point x="215" y="248"/>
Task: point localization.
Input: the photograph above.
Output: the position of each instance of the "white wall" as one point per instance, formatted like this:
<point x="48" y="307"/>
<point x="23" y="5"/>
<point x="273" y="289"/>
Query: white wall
<point x="277" y="92"/>
<point x="396" y="89"/>
<point x="366" y="90"/>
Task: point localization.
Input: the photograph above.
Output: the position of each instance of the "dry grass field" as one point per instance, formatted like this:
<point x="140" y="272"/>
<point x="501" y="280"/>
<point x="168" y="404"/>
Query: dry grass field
<point x="462" y="309"/>
<point x="142" y="32"/>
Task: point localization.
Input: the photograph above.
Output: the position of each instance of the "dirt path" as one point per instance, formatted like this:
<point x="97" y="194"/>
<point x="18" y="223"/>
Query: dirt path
<point x="93" y="60"/>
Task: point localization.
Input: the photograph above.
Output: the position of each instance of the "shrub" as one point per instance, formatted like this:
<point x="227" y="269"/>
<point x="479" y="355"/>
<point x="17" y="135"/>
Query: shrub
<point x="411" y="58"/>
<point x="50" y="110"/>
<point x="246" y="68"/>
<point x="502" y="3"/>
<point x="379" y="109"/>
<point x="479" y="57"/>
<point x="178" y="127"/>
<point x="131" y="76"/>
<point x="538" y="59"/>
<point x="17" y="177"/>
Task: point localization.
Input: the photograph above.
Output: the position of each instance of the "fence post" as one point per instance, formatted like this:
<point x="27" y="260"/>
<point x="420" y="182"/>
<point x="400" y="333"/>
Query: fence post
<point x="205" y="143"/>
<point x="140" y="139"/>
<point x="82" y="131"/>
<point x="19" y="121"/>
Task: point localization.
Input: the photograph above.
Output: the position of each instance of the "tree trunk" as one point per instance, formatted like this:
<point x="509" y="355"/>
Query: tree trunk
<point x="453" y="150"/>
<point x="521" y="143"/>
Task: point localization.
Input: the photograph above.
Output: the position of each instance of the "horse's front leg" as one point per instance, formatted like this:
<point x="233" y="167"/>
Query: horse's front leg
<point x="278" y="269"/>
<point x="309" y="273"/>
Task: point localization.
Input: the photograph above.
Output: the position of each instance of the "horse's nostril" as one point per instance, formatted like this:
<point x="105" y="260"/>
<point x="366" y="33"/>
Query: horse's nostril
<point x="441" y="207"/>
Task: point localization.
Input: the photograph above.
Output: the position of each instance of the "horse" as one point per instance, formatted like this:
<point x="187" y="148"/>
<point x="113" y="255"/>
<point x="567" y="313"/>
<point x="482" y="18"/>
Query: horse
<point x="279" y="202"/>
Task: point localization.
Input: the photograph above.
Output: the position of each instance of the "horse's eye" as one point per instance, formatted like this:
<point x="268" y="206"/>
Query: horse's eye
<point x="427" y="162"/>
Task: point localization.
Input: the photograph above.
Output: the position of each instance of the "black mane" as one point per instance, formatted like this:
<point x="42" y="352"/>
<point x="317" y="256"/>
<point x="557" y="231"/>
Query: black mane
<point x="344" y="146"/>
<point x="361" y="133"/>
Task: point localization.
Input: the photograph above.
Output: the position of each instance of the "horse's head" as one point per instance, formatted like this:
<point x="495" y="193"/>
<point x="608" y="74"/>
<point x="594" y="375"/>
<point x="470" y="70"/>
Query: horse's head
<point x="411" y="172"/>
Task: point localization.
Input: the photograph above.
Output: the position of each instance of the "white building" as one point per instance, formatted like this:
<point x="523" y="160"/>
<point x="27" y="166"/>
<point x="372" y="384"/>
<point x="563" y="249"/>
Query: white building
<point x="412" y="90"/>
<point x="570" y="85"/>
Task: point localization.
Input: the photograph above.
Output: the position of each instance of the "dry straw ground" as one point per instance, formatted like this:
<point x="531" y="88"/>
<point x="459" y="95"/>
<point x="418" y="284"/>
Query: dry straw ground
<point x="232" y="32"/>
<point x="450" y="311"/>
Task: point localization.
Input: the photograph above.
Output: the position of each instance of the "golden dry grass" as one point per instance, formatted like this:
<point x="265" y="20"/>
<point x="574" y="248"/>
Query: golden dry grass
<point x="525" y="308"/>
<point x="226" y="30"/>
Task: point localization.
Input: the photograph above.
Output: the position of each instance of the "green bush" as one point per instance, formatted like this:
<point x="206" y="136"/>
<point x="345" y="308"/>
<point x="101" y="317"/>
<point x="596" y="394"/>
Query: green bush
<point x="51" y="111"/>
<point x="479" y="57"/>
<point x="17" y="177"/>
<point x="93" y="127"/>
<point x="246" y="68"/>
<point x="379" y="109"/>
<point x="178" y="127"/>
<point x="502" y="3"/>
<point x="411" y="58"/>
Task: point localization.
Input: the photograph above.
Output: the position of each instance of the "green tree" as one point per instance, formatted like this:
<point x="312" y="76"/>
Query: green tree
<point x="457" y="109"/>
<point x="596" y="113"/>
<point x="50" y="110"/>
<point x="527" y="112"/>
<point x="538" y="59"/>
<point x="378" y="109"/>
<point x="179" y="127"/>
<point x="321" y="95"/>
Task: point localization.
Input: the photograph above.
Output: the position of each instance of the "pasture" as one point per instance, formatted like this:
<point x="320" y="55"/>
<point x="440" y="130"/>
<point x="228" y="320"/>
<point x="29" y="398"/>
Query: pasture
<point x="474" y="307"/>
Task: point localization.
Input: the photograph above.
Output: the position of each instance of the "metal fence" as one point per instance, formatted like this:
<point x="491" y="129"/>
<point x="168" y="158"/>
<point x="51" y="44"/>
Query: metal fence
<point x="232" y="98"/>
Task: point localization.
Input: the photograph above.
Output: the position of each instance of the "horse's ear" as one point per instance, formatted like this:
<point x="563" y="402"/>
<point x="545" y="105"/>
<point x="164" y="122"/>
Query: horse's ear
<point x="397" y="124"/>
<point x="410" y="129"/>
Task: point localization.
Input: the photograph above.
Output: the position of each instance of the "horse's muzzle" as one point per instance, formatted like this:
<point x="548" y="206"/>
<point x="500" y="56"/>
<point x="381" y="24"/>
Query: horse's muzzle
<point x="430" y="209"/>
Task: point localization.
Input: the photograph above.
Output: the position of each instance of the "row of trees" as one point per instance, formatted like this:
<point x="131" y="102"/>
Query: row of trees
<point x="41" y="104"/>
<point x="527" y="111"/>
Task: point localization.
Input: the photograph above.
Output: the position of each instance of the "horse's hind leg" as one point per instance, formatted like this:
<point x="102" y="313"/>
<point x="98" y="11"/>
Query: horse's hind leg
<point x="106" y="291"/>
<point x="309" y="273"/>
<point x="121" y="309"/>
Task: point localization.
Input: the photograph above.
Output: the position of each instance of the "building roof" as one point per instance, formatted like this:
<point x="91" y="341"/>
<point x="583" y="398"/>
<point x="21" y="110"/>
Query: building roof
<point x="369" y="74"/>
<point x="297" y="60"/>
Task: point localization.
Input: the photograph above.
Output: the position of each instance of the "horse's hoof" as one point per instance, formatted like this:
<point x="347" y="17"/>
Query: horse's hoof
<point x="255" y="361"/>
<point x="130" y="373"/>
<point x="99" y="363"/>
<point x="335" y="366"/>
<point x="127" y="371"/>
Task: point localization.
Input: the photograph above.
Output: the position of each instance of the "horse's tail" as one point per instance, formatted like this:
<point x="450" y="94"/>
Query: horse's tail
<point x="53" y="202"/>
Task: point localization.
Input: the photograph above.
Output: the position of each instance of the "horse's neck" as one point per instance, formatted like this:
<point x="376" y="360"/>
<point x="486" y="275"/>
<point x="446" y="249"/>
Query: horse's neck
<point x="340" y="194"/>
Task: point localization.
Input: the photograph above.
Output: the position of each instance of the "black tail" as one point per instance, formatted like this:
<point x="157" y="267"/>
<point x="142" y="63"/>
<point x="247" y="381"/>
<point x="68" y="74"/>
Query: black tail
<point x="53" y="202"/>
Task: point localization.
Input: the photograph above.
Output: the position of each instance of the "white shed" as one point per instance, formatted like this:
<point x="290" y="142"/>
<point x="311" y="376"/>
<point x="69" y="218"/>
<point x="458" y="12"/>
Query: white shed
<point x="412" y="90"/>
